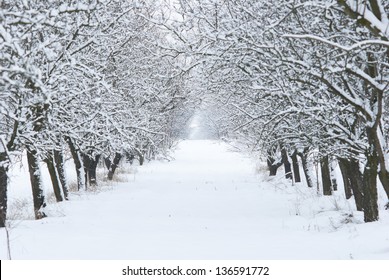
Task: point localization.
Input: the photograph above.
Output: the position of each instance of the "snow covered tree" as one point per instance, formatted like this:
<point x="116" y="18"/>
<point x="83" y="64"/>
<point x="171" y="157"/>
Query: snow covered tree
<point x="89" y="74"/>
<point x="302" y="76"/>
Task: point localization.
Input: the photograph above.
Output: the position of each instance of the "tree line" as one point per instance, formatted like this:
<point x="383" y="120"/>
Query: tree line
<point x="85" y="77"/>
<point x="302" y="82"/>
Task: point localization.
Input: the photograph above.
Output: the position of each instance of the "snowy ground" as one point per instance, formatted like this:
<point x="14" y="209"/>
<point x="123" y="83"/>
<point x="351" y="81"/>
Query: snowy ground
<point x="208" y="203"/>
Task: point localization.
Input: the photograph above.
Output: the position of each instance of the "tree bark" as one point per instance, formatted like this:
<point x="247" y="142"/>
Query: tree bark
<point x="296" y="168"/>
<point x="130" y="157"/>
<point x="343" y="165"/>
<point x="107" y="162"/>
<point x="376" y="137"/>
<point x="36" y="184"/>
<point x="81" y="183"/>
<point x="60" y="167"/>
<point x="370" y="205"/>
<point x="325" y="176"/>
<point x="54" y="177"/>
<point x="90" y="166"/>
<point x="370" y="196"/>
<point x="114" y="165"/>
<point x="273" y="167"/>
<point x="383" y="174"/>
<point x="304" y="162"/>
<point x="93" y="174"/>
<point x="356" y="180"/>
<point x="287" y="166"/>
<point x="334" y="183"/>
<point x="272" y="164"/>
<point x="352" y="179"/>
<point x="141" y="157"/>
<point x="3" y="188"/>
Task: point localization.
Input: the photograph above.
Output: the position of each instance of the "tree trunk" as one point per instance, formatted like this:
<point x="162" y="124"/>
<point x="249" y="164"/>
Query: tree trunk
<point x="353" y="180"/>
<point x="343" y="165"/>
<point x="376" y="139"/>
<point x="307" y="172"/>
<point x="383" y="174"/>
<point x="370" y="206"/>
<point x="36" y="185"/>
<point x="81" y="183"/>
<point x="60" y="166"/>
<point x="334" y="183"/>
<point x="273" y="167"/>
<point x="114" y="165"/>
<point x="130" y="157"/>
<point x="370" y="196"/>
<point x="140" y="157"/>
<point x="107" y="162"/>
<point x="3" y="188"/>
<point x="384" y="179"/>
<point x="54" y="177"/>
<point x="86" y="160"/>
<point x="325" y="176"/>
<point x="287" y="166"/>
<point x="296" y="168"/>
<point x="90" y="166"/>
<point x="93" y="175"/>
<point x="272" y="164"/>
<point x="356" y="179"/>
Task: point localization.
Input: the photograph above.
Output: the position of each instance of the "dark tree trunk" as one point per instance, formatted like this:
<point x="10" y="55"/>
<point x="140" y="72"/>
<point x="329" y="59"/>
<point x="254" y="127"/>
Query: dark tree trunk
<point x="375" y="134"/>
<point x="273" y="170"/>
<point x="287" y="165"/>
<point x="272" y="164"/>
<point x="81" y="183"/>
<point x="90" y="166"/>
<point x="383" y="174"/>
<point x="384" y="179"/>
<point x="325" y="176"/>
<point x="273" y="167"/>
<point x="352" y="180"/>
<point x="141" y="157"/>
<point x="343" y="165"/>
<point x="93" y="175"/>
<point x="356" y="180"/>
<point x="107" y="162"/>
<point x="86" y="161"/>
<point x="36" y="185"/>
<point x="296" y="168"/>
<point x="60" y="166"/>
<point x="3" y="188"/>
<point x="375" y="155"/>
<point x="304" y="162"/>
<point x="370" y="197"/>
<point x="114" y="165"/>
<point x="370" y="206"/>
<point x="54" y="177"/>
<point x="334" y="183"/>
<point x="130" y="157"/>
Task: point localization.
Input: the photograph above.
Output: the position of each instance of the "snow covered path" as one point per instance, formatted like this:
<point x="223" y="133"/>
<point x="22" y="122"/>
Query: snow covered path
<point x="208" y="203"/>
